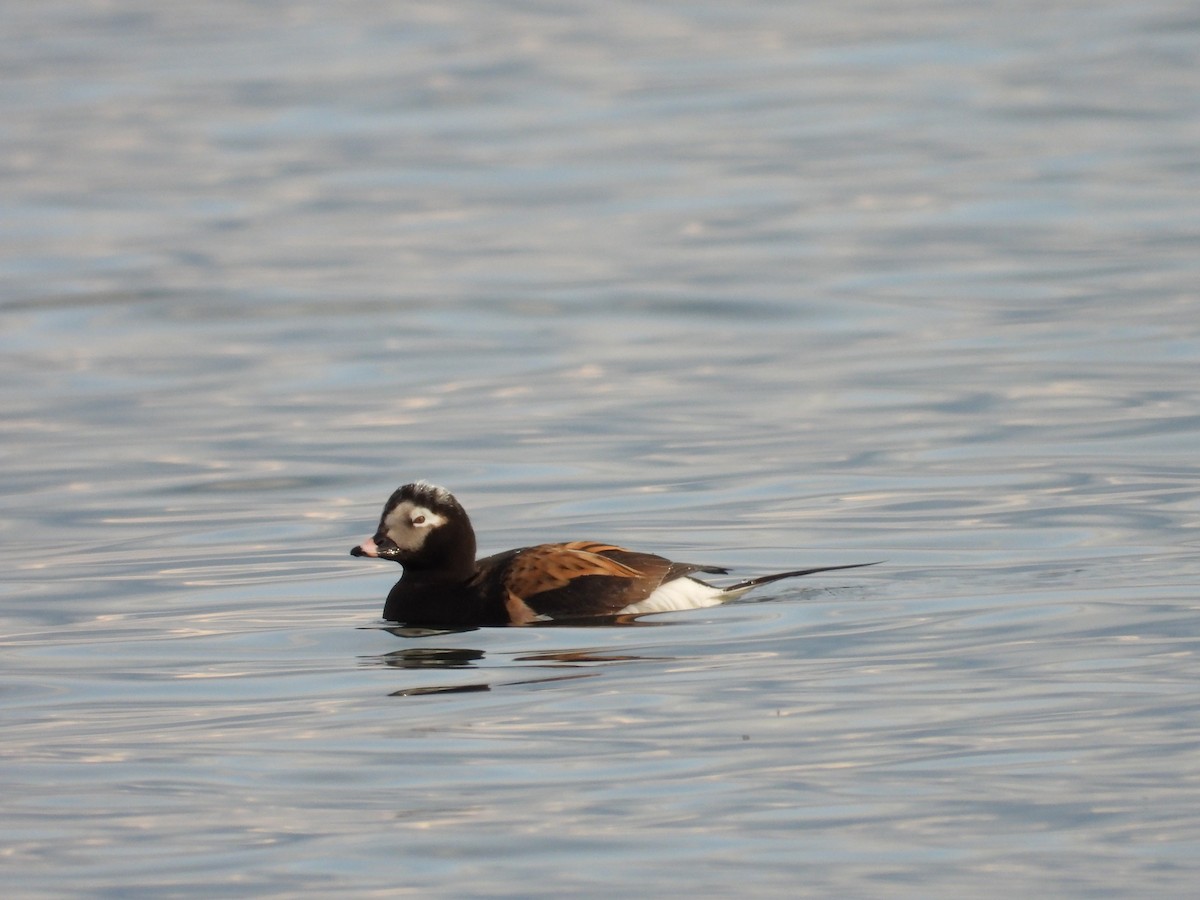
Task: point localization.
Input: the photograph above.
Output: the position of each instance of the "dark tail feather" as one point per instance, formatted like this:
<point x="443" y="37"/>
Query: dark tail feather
<point x="742" y="586"/>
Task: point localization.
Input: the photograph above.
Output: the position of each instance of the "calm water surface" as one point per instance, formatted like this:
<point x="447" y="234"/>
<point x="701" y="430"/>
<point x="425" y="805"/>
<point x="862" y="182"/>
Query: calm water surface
<point x="774" y="286"/>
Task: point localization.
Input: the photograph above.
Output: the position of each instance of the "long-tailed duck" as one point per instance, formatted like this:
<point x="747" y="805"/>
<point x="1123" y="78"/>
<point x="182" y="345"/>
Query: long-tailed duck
<point x="428" y="532"/>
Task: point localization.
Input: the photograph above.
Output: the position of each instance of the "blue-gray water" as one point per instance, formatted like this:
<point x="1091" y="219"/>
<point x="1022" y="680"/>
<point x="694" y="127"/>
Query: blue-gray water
<point x="762" y="284"/>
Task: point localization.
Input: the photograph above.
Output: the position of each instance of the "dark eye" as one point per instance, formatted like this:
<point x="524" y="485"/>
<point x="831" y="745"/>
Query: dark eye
<point x="418" y="520"/>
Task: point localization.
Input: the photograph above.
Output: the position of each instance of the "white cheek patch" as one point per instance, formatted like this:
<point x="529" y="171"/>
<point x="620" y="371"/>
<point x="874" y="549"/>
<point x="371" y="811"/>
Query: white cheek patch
<point x="420" y="517"/>
<point x="408" y="524"/>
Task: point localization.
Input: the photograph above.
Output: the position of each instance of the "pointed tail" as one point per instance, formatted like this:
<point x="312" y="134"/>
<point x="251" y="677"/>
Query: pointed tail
<point x="742" y="586"/>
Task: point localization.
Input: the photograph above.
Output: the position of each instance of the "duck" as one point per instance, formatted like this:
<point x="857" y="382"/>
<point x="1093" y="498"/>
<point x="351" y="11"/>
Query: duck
<point x="427" y="531"/>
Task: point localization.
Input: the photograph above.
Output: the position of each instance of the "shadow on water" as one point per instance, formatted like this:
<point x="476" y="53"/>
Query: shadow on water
<point x="455" y="658"/>
<point x="625" y="621"/>
<point x="445" y="658"/>
<point x="429" y="658"/>
<point x="483" y="686"/>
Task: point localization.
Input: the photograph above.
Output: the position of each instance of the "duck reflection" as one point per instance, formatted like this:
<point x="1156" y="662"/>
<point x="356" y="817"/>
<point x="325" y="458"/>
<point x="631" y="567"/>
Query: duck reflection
<point x="418" y="631"/>
<point x="473" y="688"/>
<point x="431" y="658"/>
<point x="576" y="657"/>
<point x="423" y="657"/>
<point x="467" y="657"/>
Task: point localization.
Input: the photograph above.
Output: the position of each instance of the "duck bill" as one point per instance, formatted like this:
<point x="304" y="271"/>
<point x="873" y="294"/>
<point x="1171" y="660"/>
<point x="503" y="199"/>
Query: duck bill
<point x="366" y="548"/>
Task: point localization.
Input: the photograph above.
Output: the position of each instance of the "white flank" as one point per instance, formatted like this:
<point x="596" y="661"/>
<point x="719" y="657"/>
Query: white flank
<point x="681" y="593"/>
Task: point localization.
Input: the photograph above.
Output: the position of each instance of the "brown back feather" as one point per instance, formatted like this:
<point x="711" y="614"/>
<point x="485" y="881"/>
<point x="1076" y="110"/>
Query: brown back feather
<point x="581" y="577"/>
